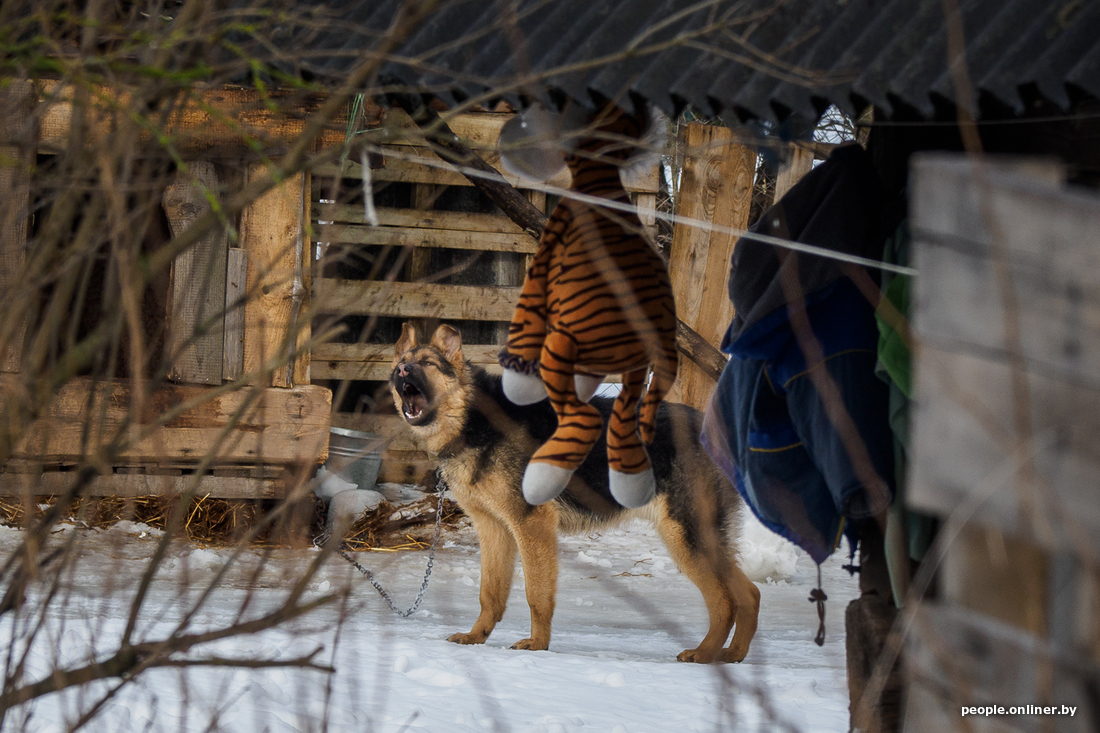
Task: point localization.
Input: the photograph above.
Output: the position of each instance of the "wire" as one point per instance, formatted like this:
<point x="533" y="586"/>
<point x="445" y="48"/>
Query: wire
<point x="671" y="218"/>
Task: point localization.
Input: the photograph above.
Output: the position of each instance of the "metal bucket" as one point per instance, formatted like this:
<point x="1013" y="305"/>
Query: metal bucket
<point x="355" y="456"/>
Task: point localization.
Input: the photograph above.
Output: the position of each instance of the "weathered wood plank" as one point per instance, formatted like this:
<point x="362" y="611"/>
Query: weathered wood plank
<point x="276" y="426"/>
<point x="17" y="136"/>
<point x="270" y="228"/>
<point x="423" y="237"/>
<point x="414" y="300"/>
<point x="383" y="353"/>
<point x="409" y="169"/>
<point x="965" y="441"/>
<point x="963" y="448"/>
<point x="647" y="212"/>
<point x="956" y="658"/>
<point x="1050" y="235"/>
<point x="302" y="290"/>
<point x="799" y="162"/>
<point x="236" y="279"/>
<point x="478" y="130"/>
<point x="716" y="187"/>
<point x="370" y="371"/>
<point x="426" y="219"/>
<point x="143" y="484"/>
<point x="195" y="338"/>
<point x="999" y="576"/>
<point x="216" y="123"/>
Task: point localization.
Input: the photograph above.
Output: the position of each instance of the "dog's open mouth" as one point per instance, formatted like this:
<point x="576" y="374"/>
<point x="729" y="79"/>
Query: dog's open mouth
<point x="413" y="401"/>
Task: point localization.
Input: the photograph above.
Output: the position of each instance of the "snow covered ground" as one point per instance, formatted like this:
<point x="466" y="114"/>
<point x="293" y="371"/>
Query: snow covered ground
<point x="623" y="614"/>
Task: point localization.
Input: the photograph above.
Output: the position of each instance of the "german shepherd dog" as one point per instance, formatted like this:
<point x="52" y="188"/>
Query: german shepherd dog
<point x="484" y="442"/>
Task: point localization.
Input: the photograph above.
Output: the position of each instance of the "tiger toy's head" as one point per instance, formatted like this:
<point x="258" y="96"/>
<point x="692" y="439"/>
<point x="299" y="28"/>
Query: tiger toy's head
<point x="537" y="143"/>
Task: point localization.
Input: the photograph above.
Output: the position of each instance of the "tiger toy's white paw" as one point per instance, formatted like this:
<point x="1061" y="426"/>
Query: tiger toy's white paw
<point x="523" y="389"/>
<point x="585" y="385"/>
<point x="632" y="490"/>
<point x="543" y="482"/>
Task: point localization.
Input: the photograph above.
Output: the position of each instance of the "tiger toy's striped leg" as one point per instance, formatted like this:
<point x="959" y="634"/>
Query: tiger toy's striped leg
<point x="630" y="475"/>
<point x="579" y="424"/>
<point x="664" y="374"/>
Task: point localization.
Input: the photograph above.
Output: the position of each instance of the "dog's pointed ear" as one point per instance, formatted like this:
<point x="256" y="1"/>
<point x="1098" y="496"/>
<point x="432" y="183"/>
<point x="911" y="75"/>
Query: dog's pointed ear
<point x="406" y="343"/>
<point x="448" y="340"/>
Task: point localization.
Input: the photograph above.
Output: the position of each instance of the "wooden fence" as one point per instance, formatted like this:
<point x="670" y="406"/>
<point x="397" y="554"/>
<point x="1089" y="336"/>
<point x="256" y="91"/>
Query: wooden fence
<point x="1004" y="446"/>
<point x="440" y="252"/>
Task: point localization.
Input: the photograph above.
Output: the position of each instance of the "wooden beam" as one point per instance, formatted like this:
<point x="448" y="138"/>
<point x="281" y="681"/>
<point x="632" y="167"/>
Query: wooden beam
<point x="383" y="353"/>
<point x="215" y="123"/>
<point x="716" y="187"/>
<point x="414" y="300"/>
<point x="17" y="135"/>
<point x="142" y="484"/>
<point x="278" y="426"/>
<point x="420" y="218"/>
<point x="270" y="229"/>
<point x="197" y="293"/>
<point x="423" y="237"/>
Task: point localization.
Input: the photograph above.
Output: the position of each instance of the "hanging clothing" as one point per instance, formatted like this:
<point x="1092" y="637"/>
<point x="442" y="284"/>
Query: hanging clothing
<point x="894" y="368"/>
<point x="805" y="438"/>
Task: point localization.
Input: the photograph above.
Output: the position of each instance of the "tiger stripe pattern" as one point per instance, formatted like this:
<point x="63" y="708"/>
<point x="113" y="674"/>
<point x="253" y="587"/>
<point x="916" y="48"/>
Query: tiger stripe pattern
<point x="597" y="300"/>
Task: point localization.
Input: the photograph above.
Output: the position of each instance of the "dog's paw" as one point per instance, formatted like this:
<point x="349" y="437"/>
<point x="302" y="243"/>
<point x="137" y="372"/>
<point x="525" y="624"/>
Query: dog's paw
<point x="632" y="490"/>
<point x="531" y="645"/>
<point x="522" y="389"/>
<point x="735" y="654"/>
<point x="466" y="638"/>
<point x="697" y="656"/>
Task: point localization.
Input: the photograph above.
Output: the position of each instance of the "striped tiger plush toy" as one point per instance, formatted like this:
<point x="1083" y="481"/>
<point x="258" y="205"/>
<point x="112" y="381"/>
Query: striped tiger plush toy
<point x="597" y="300"/>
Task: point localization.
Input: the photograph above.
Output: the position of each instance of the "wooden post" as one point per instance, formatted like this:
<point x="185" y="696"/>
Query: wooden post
<point x="303" y="287"/>
<point x="269" y="234"/>
<point x="16" y="156"/>
<point x="196" y="299"/>
<point x="800" y="162"/>
<point x="716" y="187"/>
<point x="418" y="266"/>
<point x="647" y="212"/>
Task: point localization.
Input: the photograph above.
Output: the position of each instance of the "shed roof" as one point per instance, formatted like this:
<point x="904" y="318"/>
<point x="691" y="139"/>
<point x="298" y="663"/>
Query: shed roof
<point x="758" y="58"/>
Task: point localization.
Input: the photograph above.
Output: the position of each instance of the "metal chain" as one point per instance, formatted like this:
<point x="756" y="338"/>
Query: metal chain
<point x="440" y="487"/>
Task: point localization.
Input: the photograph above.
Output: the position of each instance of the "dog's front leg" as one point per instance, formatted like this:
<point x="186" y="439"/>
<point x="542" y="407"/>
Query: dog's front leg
<point x="498" y="561"/>
<point x="537" y="536"/>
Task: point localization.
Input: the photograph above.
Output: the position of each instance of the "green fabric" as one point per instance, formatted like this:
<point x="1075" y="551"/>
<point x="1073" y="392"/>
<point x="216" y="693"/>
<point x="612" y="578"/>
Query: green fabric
<point x="895" y="368"/>
<point x="893" y="353"/>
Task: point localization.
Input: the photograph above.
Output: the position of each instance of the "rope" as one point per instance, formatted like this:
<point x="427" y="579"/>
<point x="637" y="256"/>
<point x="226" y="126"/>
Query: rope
<point x="817" y="595"/>
<point x="440" y="487"/>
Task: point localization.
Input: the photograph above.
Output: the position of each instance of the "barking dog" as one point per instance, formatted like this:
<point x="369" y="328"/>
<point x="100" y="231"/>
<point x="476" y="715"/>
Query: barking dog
<point x="484" y="442"/>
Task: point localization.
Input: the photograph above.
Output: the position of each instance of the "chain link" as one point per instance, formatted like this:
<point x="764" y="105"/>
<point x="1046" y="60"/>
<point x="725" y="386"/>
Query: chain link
<point x="440" y="487"/>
